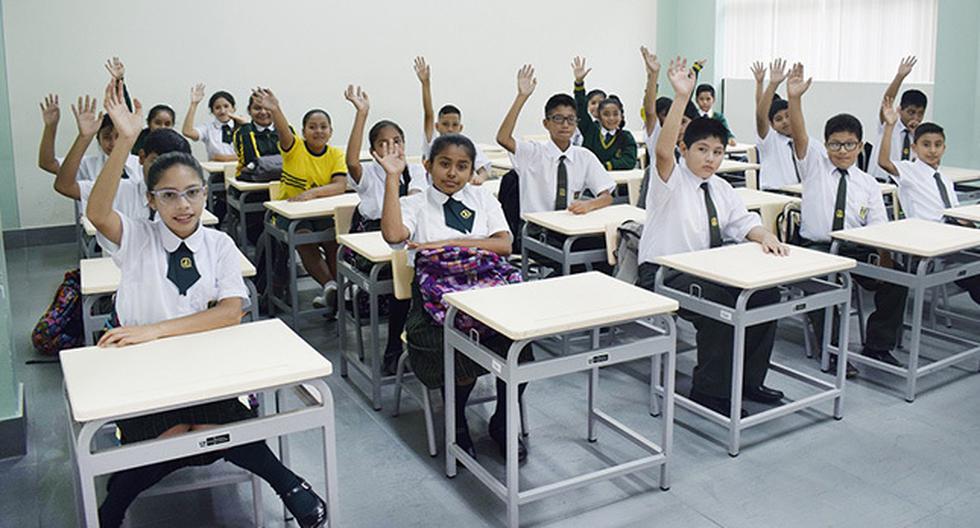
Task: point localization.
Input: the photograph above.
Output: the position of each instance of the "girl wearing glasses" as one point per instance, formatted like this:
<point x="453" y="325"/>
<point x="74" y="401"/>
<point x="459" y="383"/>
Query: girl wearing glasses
<point x="177" y="278"/>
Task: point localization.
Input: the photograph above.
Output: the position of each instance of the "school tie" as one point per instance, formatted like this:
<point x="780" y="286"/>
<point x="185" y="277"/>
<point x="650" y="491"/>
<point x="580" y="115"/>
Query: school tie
<point x="792" y="159"/>
<point x="905" y="145"/>
<point x="181" y="269"/>
<point x="841" y="204"/>
<point x="458" y="216"/>
<point x="405" y="181"/>
<point x="942" y="190"/>
<point x="561" y="193"/>
<point x="609" y="137"/>
<point x="677" y="155"/>
<point x="226" y="133"/>
<point x="714" y="230"/>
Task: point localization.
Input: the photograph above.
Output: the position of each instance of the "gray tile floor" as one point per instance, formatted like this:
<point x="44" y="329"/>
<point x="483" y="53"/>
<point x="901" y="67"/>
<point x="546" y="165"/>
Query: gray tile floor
<point x="888" y="463"/>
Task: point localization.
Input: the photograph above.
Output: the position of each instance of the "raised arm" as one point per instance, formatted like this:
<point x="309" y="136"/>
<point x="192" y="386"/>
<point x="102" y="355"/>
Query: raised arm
<point x="525" y="87"/>
<point x="50" y="115"/>
<point x="796" y="86"/>
<point x="88" y="121"/>
<point x="362" y="105"/>
<point x="128" y="124"/>
<point x="682" y="79"/>
<point x="392" y="160"/>
<point x="265" y="98"/>
<point x="885" y="149"/>
<point x="904" y="69"/>
<point x="652" y="66"/>
<point x="197" y="95"/>
<point x="777" y="74"/>
<point x="580" y="71"/>
<point x="423" y="72"/>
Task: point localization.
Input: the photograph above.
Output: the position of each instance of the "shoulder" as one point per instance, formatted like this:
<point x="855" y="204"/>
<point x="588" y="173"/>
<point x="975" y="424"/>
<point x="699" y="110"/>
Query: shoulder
<point x="335" y="153"/>
<point x="220" y="242"/>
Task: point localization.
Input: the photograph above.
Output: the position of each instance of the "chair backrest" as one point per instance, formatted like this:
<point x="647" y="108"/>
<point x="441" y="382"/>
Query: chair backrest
<point x="752" y="179"/>
<point x="633" y="186"/>
<point x="402" y="275"/>
<point x="864" y="158"/>
<point x="273" y="189"/>
<point x="612" y="241"/>
<point x="342" y="218"/>
<point x="788" y="224"/>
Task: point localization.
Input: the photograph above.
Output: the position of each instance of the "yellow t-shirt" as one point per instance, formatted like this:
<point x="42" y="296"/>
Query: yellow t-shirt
<point x="302" y="170"/>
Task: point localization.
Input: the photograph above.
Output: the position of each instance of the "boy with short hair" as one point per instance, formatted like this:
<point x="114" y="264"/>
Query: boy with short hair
<point x="705" y="98"/>
<point x="912" y="110"/>
<point x="773" y="140"/>
<point x="838" y="195"/>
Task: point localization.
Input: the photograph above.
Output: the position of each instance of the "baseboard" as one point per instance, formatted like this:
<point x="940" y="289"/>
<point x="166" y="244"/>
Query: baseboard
<point x="39" y="236"/>
<point x="13" y="430"/>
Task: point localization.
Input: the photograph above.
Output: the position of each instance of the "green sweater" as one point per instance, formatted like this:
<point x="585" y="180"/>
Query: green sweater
<point x="619" y="153"/>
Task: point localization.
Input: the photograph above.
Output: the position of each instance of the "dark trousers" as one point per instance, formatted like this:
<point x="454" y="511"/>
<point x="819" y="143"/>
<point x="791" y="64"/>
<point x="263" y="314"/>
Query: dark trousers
<point x="715" y="340"/>
<point x="972" y="286"/>
<point x="883" y="325"/>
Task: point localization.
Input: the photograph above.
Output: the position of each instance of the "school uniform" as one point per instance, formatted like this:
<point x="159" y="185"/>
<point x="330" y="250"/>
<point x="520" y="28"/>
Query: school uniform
<point x="650" y="171"/>
<point x="91" y="165"/>
<point x="688" y="213"/>
<point x="616" y="149"/>
<point x="303" y="169"/>
<point x="251" y="141"/>
<point x="777" y="160"/>
<point x="130" y="201"/>
<point x="835" y="199"/>
<point x="371" y="190"/>
<point x="218" y="137"/>
<point x="901" y="139"/>
<point x="717" y="116"/>
<point x="481" y="160"/>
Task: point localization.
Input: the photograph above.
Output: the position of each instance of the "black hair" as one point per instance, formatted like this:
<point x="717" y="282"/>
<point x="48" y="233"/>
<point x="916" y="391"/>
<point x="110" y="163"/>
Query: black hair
<point x="913" y="98"/>
<point x="381" y="125"/>
<point x="453" y="140"/>
<point x="450" y="109"/>
<point x="251" y="100"/>
<point x="164" y="141"/>
<point x="168" y="160"/>
<point x="663" y="104"/>
<point x="594" y="92"/>
<point x="704" y="88"/>
<point x="220" y="94"/>
<point x="614" y="100"/>
<point x="928" y="128"/>
<point x="106" y="124"/>
<point x="778" y="105"/>
<point x="843" y="123"/>
<point x="559" y="99"/>
<point x="705" y="127"/>
<point x="160" y="108"/>
<point x="691" y="111"/>
<point x="315" y="111"/>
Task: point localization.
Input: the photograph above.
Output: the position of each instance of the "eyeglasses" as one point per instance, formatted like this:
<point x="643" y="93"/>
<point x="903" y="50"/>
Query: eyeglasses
<point x="172" y="196"/>
<point x="559" y="119"/>
<point x="834" y="146"/>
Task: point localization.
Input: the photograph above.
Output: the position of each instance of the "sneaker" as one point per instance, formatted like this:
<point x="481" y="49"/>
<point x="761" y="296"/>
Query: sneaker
<point x="329" y="297"/>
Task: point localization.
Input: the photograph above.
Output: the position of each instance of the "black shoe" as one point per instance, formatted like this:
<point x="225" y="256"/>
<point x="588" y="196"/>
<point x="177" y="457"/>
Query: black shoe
<point x="499" y="435"/>
<point x="389" y="366"/>
<point x="464" y="441"/>
<point x="722" y="406"/>
<point x="881" y="355"/>
<point x="764" y="394"/>
<point x="850" y="372"/>
<point x="315" y="518"/>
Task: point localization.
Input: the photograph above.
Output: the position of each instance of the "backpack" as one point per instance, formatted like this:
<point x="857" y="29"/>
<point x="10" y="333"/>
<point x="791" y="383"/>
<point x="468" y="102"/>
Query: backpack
<point x="265" y="169"/>
<point x="627" y="260"/>
<point x="61" y="327"/>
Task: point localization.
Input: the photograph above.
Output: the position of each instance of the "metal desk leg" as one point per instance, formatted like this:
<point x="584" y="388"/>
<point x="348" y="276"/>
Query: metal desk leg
<point x="524" y="256"/>
<point x="376" y="355"/>
<point x="918" y="298"/>
<point x="513" y="430"/>
<point x="342" y="315"/>
<point x="738" y="368"/>
<point x="668" y="418"/>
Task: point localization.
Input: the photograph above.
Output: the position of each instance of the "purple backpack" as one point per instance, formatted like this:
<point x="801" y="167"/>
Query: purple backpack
<point x="60" y="327"/>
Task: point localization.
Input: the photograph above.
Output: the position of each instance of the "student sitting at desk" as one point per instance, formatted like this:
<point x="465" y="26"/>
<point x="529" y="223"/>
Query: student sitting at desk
<point x="773" y="139"/>
<point x="838" y="195"/>
<point x="690" y="209"/>
<point x="218" y="134"/>
<point x="912" y="110"/>
<point x="607" y="138"/>
<point x="923" y="190"/>
<point x="173" y="271"/>
<point x="450" y="213"/>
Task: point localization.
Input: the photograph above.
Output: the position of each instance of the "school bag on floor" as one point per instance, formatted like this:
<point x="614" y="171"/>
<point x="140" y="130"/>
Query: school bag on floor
<point x="627" y="251"/>
<point x="60" y="327"/>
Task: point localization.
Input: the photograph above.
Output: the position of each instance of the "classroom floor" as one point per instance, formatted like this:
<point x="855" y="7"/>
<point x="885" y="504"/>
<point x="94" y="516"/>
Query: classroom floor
<point x="887" y="463"/>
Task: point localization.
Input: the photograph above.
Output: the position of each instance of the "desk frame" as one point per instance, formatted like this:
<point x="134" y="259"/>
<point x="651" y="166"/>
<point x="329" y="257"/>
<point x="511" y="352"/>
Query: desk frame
<point x="290" y="238"/>
<point x="238" y="204"/>
<point x="564" y="255"/>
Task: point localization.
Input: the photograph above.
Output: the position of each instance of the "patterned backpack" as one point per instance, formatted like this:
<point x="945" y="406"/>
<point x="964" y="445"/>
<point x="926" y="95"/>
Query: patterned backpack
<point x="61" y="325"/>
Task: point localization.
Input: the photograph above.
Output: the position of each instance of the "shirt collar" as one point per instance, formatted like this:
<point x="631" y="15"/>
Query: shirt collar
<point x="218" y="124"/>
<point x="606" y="131"/>
<point x="260" y="128"/>
<point x="440" y="198"/>
<point x="923" y="166"/>
<point x="554" y="152"/>
<point x="171" y="241"/>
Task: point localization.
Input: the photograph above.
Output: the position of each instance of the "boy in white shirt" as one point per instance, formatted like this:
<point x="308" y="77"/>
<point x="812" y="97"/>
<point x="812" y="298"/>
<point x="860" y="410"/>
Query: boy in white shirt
<point x="912" y="111"/>
<point x="773" y="139"/>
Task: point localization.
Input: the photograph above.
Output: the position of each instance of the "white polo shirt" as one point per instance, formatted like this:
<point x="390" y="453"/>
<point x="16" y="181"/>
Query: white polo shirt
<point x="919" y="193"/>
<point x="211" y="135"/>
<point x="677" y="216"/>
<point x="481" y="161"/>
<point x="146" y="296"/>
<point x="537" y="169"/>
<point x="898" y="135"/>
<point x="371" y="188"/>
<point x="864" y="207"/>
<point x="777" y="160"/>
<point x="91" y="165"/>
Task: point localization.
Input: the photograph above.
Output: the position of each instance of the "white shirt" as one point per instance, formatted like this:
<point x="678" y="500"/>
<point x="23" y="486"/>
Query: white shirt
<point x="898" y="134"/>
<point x="91" y="165"/>
<point x="677" y="217"/>
<point x="371" y="188"/>
<point x="147" y="296"/>
<point x="481" y="161"/>
<point x="577" y="137"/>
<point x="918" y="192"/>
<point x="537" y="169"/>
<point x="864" y="207"/>
<point x="651" y="141"/>
<point x="776" y="160"/>
<point x="210" y="134"/>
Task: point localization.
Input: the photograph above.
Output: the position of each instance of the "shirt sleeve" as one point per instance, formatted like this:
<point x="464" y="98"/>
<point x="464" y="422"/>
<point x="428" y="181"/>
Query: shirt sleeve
<point x="135" y="235"/>
<point x="229" y="272"/>
<point x="496" y="221"/>
<point x="339" y="164"/>
<point x="420" y="179"/>
<point x="597" y="179"/>
<point x="660" y="191"/>
<point x="740" y="221"/>
<point x="410" y="206"/>
<point x="292" y="152"/>
<point x="651" y="141"/>
<point x="202" y="131"/>
<point x="524" y="154"/>
<point x="813" y="162"/>
<point x="481" y="162"/>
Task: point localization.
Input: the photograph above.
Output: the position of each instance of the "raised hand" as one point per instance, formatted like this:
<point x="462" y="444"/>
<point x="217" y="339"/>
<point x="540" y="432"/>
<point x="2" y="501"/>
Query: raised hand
<point x="777" y="71"/>
<point x="422" y="70"/>
<point x="86" y="116"/>
<point x="526" y="81"/>
<point x="759" y="71"/>
<point x="50" y="110"/>
<point x="796" y="85"/>
<point x="116" y="68"/>
<point x="127" y="123"/>
<point x="265" y="98"/>
<point x="906" y="65"/>
<point x="391" y="158"/>
<point x="888" y="111"/>
<point x="579" y="69"/>
<point x="651" y="62"/>
<point x="197" y="93"/>
<point x="357" y="97"/>
<point x="681" y="77"/>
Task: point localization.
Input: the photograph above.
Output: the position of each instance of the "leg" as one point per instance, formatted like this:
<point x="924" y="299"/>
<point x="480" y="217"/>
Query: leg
<point x="972" y="286"/>
<point x="314" y="263"/>
<point x="759" y="340"/>
<point x="397" y="313"/>
<point x="126" y="485"/>
<point x="257" y="458"/>
<point x="330" y="251"/>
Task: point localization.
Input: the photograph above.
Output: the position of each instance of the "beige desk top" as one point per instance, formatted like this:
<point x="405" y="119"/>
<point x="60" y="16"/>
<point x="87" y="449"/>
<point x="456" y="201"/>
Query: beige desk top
<point x="746" y="266"/>
<point x="755" y="199"/>
<point x="593" y="222"/>
<point x="797" y="188"/>
<point x="109" y="382"/>
<point x="245" y="186"/>
<point x="728" y="165"/>
<point x="913" y="236"/>
<point x="967" y="212"/>
<point x="491" y="148"/>
<point x="317" y="208"/>
<point x="561" y="304"/>
<point x="739" y="148"/>
<point x="503" y="163"/>
<point x="371" y="246"/>
<point x="960" y="175"/>
<point x="207" y="219"/>
<point x="217" y="166"/>
<point x="623" y="177"/>
<point x="100" y="275"/>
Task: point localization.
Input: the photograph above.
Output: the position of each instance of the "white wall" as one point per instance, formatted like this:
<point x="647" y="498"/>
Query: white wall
<point x="823" y="100"/>
<point x="309" y="51"/>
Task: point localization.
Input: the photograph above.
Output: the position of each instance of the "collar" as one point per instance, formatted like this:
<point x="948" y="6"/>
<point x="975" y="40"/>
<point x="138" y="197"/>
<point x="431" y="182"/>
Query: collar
<point x="440" y="198"/>
<point x="554" y="152"/>
<point x="923" y="166"/>
<point x="708" y="114"/>
<point x="218" y="124"/>
<point x="171" y="241"/>
<point x="260" y="128"/>
<point x="607" y="131"/>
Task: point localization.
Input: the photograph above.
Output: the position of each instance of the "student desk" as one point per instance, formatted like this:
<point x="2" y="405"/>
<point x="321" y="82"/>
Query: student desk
<point x="216" y="177"/>
<point x="729" y="169"/>
<point x="531" y="311"/>
<point x="295" y="213"/>
<point x="240" y="206"/>
<point x="104" y="385"/>
<point x="100" y="279"/>
<point x="970" y="213"/>
<point x="964" y="181"/>
<point x="572" y="227"/>
<point x="90" y="244"/>
<point x="887" y="189"/>
<point x="808" y="277"/>
<point x="933" y="254"/>
<point x="769" y="205"/>
<point x="373" y="247"/>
